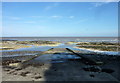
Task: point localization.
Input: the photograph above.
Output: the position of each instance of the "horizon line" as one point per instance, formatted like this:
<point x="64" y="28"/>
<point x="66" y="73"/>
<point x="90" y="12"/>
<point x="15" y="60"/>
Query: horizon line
<point x="62" y="36"/>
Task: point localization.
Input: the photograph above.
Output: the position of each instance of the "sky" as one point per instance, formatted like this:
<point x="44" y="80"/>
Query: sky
<point x="60" y="19"/>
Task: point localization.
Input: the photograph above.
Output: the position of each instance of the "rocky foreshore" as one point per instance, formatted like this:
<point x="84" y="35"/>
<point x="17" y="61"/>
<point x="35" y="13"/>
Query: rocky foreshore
<point x="70" y="70"/>
<point x="32" y="65"/>
<point x="11" y="45"/>
<point x="102" y="46"/>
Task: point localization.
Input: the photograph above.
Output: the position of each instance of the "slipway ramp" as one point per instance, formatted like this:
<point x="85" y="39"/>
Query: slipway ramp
<point x="26" y="59"/>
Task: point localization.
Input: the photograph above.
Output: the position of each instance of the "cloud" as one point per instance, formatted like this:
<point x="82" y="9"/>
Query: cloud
<point x="36" y="16"/>
<point x="99" y="4"/>
<point x="71" y="16"/>
<point x="56" y="16"/>
<point x="48" y="7"/>
<point x="51" y="6"/>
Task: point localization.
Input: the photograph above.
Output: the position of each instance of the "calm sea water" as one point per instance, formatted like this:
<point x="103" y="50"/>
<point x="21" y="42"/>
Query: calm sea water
<point x="64" y="39"/>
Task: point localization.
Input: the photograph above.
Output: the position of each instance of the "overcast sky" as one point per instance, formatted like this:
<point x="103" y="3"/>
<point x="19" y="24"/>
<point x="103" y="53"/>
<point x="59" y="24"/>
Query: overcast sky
<point x="60" y="19"/>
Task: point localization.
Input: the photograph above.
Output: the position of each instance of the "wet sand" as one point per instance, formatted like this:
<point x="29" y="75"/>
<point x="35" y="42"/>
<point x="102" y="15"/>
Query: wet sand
<point x="101" y="46"/>
<point x="69" y="70"/>
<point x="57" y="64"/>
<point x="12" y="45"/>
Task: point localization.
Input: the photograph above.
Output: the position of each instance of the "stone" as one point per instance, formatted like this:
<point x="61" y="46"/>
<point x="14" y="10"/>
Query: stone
<point x="91" y="75"/>
<point x="37" y="77"/>
<point x="11" y="72"/>
<point x="24" y="73"/>
<point x="14" y="73"/>
<point x="6" y="70"/>
<point x="18" y="69"/>
<point x="14" y="64"/>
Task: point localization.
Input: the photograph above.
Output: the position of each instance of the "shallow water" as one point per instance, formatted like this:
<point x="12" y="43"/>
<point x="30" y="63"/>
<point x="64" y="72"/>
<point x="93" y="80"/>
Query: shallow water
<point x="13" y="55"/>
<point x="43" y="48"/>
<point x="62" y="45"/>
<point x="64" y="39"/>
<point x="54" y="58"/>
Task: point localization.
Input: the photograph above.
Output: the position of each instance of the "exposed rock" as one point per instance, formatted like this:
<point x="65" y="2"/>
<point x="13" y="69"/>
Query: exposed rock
<point x="9" y="67"/>
<point x="55" y="69"/>
<point x="6" y="70"/>
<point x="37" y="77"/>
<point x="91" y="75"/>
<point x="35" y="73"/>
<point x="18" y="69"/>
<point x="14" y="73"/>
<point x="24" y="73"/>
<point x="41" y="64"/>
<point x="11" y="72"/>
<point x="14" y="64"/>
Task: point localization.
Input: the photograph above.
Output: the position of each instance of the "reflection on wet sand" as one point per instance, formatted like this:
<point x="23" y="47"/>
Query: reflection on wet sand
<point x="58" y="64"/>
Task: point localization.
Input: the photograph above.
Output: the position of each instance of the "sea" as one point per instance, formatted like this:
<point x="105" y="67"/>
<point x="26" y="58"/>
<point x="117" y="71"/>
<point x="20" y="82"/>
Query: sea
<point x="64" y="39"/>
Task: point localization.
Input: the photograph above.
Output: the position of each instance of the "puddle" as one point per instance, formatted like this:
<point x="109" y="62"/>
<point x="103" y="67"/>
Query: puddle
<point x="45" y="48"/>
<point x="13" y="55"/>
<point x="54" y="58"/>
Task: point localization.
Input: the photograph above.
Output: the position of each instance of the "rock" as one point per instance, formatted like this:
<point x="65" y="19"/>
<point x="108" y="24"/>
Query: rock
<point x="35" y="73"/>
<point x="11" y="72"/>
<point x="6" y="70"/>
<point x="14" y="64"/>
<point x="41" y="64"/>
<point x="24" y="73"/>
<point x="18" y="69"/>
<point x="91" y="75"/>
<point x="14" y="73"/>
<point x="55" y="69"/>
<point x="8" y="67"/>
<point x="37" y="77"/>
